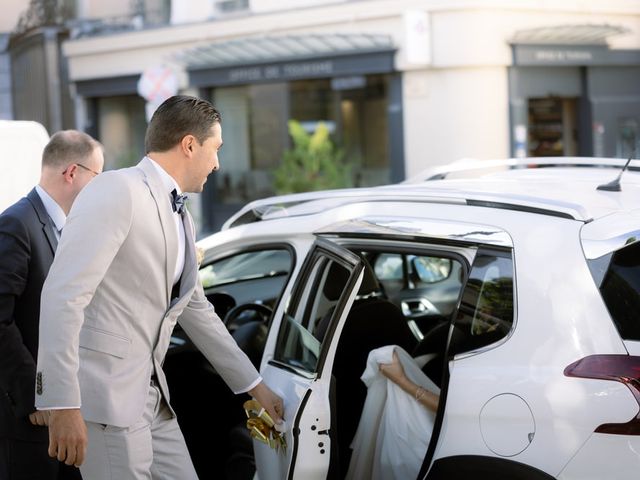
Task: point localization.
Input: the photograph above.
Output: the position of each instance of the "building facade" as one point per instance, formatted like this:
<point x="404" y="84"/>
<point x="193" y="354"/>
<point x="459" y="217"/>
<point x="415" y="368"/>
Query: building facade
<point x="401" y="84"/>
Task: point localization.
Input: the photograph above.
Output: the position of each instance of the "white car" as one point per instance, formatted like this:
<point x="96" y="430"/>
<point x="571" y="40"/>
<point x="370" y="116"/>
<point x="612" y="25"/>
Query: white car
<point x="522" y="284"/>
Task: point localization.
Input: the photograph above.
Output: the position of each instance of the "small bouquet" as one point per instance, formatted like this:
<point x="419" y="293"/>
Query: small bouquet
<point x="262" y="427"/>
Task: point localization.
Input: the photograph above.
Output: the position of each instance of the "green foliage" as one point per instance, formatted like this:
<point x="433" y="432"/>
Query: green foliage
<point x="313" y="163"/>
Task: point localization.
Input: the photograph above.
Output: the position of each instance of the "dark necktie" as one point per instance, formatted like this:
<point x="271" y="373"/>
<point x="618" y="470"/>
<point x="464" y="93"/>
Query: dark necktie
<point x="177" y="201"/>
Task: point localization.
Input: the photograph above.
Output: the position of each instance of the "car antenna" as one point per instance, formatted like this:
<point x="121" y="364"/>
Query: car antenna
<point x="614" y="186"/>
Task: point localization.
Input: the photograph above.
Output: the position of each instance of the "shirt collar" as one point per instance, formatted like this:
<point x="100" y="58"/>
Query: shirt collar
<point x="167" y="180"/>
<point x="55" y="212"/>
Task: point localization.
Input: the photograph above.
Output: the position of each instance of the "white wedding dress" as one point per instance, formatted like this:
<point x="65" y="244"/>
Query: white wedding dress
<point x="394" y="430"/>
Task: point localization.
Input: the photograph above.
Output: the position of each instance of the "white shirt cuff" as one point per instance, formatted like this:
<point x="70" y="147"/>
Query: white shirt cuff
<point x="250" y="387"/>
<point x="57" y="408"/>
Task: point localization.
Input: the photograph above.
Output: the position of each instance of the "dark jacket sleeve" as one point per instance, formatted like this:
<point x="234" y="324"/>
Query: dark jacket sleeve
<point x="17" y="365"/>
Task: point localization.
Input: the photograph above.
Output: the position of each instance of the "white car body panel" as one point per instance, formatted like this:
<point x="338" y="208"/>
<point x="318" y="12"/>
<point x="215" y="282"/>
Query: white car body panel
<point x="588" y="464"/>
<point x="547" y="337"/>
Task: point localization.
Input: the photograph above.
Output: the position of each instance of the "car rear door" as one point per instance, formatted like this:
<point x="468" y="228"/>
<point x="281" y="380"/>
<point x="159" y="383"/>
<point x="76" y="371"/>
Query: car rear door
<point x="298" y="360"/>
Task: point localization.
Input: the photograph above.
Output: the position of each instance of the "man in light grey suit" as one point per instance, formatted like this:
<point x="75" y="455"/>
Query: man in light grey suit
<point x="125" y="271"/>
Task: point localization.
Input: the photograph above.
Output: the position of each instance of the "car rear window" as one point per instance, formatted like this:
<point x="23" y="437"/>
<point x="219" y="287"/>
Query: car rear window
<point x="620" y="290"/>
<point x="486" y="309"/>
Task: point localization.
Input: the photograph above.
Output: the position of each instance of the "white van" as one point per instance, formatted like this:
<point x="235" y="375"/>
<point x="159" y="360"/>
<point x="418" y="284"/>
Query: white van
<point x="21" y="146"/>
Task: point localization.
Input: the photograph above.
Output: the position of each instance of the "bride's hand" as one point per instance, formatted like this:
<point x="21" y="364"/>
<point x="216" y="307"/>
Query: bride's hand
<point x="393" y="371"/>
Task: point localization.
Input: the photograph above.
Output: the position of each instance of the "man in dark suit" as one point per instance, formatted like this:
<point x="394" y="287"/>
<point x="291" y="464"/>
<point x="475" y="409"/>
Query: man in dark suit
<point x="29" y="234"/>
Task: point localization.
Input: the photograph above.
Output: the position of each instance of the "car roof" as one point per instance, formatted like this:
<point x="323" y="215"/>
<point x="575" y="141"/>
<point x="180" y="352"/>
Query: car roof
<point x="561" y="187"/>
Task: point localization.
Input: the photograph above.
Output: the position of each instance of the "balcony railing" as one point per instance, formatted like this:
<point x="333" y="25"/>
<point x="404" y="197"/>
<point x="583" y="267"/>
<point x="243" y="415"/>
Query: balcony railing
<point x="103" y="26"/>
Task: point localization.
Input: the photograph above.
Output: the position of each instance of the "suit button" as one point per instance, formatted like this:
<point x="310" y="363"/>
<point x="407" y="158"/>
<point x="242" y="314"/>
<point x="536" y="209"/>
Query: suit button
<point x="39" y="383"/>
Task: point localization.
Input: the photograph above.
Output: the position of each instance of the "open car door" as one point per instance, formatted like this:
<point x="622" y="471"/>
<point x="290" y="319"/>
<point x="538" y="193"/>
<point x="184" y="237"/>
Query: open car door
<point x="298" y="360"/>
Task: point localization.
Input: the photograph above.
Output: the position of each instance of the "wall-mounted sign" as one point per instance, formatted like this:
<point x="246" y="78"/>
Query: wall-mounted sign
<point x="156" y="84"/>
<point x="417" y="37"/>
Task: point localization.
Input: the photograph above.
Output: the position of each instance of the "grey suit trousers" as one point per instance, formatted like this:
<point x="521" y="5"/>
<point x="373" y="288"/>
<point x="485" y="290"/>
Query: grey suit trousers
<point x="151" y="449"/>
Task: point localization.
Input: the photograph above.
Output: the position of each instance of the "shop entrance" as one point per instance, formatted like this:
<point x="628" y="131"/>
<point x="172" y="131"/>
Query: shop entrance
<point x="553" y="127"/>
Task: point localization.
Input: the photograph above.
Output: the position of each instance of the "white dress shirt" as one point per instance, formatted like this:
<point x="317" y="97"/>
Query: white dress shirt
<point x="55" y="212"/>
<point x="170" y="184"/>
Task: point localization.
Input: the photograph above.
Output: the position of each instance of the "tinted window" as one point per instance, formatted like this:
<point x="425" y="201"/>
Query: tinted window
<point x="620" y="290"/>
<point x="246" y="266"/>
<point x="307" y="318"/>
<point x="430" y="269"/>
<point x="256" y="276"/>
<point x="486" y="309"/>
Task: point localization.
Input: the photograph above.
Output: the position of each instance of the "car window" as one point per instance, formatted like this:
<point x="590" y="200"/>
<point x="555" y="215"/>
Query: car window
<point x="486" y="308"/>
<point x="247" y="277"/>
<point x="306" y="319"/>
<point x="620" y="290"/>
<point x="388" y="267"/>
<point x="246" y="266"/>
<point x="397" y="272"/>
<point x="425" y="287"/>
<point x="429" y="269"/>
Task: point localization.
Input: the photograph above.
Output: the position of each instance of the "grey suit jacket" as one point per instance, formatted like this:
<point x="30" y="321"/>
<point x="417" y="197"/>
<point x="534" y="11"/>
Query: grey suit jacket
<point x="106" y="316"/>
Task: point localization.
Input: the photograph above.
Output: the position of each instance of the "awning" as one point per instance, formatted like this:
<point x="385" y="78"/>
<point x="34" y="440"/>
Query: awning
<point x="280" y="58"/>
<point x="255" y="50"/>
<point x="568" y="35"/>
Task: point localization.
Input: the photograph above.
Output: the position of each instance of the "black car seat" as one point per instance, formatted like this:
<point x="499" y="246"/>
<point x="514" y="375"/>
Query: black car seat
<point x="372" y="322"/>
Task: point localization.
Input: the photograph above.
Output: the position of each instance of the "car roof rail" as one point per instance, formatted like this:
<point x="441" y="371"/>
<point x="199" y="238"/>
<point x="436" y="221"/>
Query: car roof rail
<point x="464" y="166"/>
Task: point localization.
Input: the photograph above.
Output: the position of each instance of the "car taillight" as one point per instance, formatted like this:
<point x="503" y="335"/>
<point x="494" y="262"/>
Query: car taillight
<point x="618" y="368"/>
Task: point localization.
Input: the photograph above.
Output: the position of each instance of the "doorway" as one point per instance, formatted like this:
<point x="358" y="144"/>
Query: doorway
<point x="553" y="127"/>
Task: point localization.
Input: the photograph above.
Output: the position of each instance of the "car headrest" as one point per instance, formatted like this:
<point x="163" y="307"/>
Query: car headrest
<point x="370" y="283"/>
<point x="336" y="280"/>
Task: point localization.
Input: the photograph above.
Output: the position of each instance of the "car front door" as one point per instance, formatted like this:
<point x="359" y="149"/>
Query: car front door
<point x="298" y="361"/>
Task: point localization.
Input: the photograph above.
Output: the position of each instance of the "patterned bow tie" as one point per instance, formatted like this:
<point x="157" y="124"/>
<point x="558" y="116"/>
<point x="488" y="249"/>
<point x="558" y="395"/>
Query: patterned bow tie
<point x="177" y="201"/>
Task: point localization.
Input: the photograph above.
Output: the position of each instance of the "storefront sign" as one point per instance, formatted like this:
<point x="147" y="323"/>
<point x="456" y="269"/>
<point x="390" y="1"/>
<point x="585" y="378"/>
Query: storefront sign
<point x="578" y="55"/>
<point x="280" y="72"/>
<point x="563" y="56"/>
<point x="336" y="66"/>
<point x="348" y="83"/>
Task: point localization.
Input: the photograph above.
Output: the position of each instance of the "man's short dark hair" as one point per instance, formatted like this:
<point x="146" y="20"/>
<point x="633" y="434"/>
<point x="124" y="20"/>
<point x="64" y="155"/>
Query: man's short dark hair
<point x="177" y="117"/>
<point x="68" y="146"/>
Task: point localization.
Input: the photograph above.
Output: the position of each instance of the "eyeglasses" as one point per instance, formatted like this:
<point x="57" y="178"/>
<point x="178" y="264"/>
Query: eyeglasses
<point x="88" y="169"/>
<point x="85" y="168"/>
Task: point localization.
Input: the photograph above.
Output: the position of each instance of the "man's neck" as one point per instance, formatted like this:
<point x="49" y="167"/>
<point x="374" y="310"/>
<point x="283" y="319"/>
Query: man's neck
<point x="167" y="161"/>
<point x="56" y="195"/>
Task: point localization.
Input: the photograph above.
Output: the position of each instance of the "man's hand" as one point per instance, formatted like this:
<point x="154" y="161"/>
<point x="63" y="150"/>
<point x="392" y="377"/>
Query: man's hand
<point x="271" y="402"/>
<point x="67" y="436"/>
<point x="39" y="417"/>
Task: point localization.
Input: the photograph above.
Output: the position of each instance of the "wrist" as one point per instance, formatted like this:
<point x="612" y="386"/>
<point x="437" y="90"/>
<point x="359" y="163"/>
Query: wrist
<point x="256" y="390"/>
<point x="407" y="385"/>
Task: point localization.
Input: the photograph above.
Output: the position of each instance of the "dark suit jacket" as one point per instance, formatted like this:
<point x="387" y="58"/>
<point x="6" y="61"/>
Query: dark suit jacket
<point x="27" y="245"/>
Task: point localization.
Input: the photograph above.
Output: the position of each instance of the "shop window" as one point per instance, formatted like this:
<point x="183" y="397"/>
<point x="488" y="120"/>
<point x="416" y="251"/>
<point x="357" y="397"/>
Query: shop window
<point x="255" y="130"/>
<point x="628" y="142"/>
<point x="552" y="127"/>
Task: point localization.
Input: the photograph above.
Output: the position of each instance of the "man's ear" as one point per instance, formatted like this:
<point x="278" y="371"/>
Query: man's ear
<point x="187" y="144"/>
<point x="70" y="172"/>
